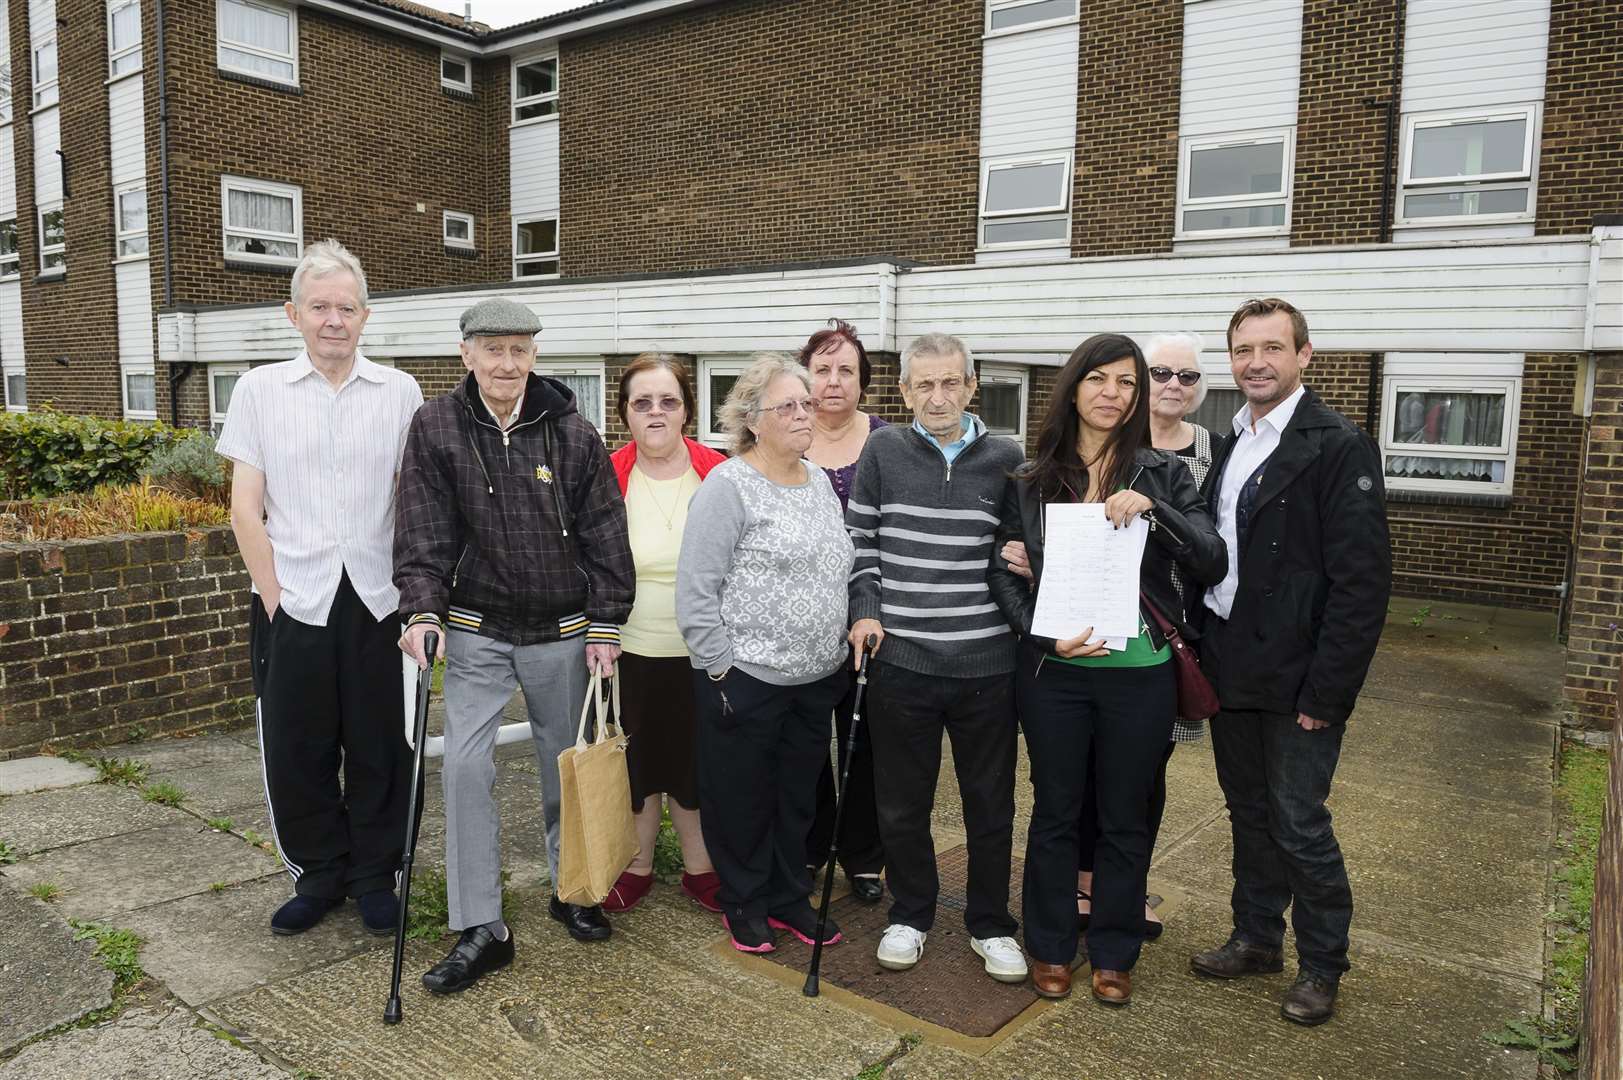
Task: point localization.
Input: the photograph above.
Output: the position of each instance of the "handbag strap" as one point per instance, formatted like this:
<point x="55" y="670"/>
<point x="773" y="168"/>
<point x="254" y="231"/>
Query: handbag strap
<point x="607" y="711"/>
<point x="1162" y="623"/>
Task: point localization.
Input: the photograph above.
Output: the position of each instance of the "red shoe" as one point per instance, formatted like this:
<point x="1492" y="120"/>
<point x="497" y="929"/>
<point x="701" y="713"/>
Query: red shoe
<point x="702" y="889"/>
<point x="628" y="891"/>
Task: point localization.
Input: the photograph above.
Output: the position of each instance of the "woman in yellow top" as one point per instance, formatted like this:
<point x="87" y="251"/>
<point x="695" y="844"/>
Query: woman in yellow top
<point x="659" y="470"/>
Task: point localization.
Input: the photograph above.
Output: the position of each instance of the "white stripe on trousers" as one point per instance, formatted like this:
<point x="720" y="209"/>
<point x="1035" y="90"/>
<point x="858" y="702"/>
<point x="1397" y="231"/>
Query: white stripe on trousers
<point x="264" y="774"/>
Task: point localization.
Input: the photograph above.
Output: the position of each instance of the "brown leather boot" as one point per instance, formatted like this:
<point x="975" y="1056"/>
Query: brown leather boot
<point x="1112" y="987"/>
<point x="1051" y="980"/>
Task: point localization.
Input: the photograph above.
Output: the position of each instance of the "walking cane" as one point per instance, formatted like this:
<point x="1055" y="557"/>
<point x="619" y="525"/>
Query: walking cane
<point x="810" y="989"/>
<point x="414" y="809"/>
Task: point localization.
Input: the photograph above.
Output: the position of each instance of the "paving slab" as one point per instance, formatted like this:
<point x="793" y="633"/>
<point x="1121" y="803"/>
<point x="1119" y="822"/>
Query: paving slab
<point x="100" y="879"/>
<point x="1463" y="666"/>
<point x="161" y="755"/>
<point x="143" y="1044"/>
<point x="53" y="819"/>
<point x="47" y="978"/>
<point x="216" y="785"/>
<point x="21" y="775"/>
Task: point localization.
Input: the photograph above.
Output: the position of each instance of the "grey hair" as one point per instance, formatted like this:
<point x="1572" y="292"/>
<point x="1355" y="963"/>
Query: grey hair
<point x="938" y="345"/>
<point x="1184" y="339"/>
<point x="325" y="258"/>
<point x="744" y="401"/>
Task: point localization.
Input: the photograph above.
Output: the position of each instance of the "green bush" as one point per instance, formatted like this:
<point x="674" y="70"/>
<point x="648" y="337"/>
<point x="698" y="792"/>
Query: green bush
<point x="45" y="453"/>
<point x="190" y="466"/>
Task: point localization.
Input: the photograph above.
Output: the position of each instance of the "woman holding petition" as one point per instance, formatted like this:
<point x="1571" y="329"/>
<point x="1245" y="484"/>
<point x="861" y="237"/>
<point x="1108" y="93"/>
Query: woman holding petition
<point x="1087" y="709"/>
<point x="840" y="373"/>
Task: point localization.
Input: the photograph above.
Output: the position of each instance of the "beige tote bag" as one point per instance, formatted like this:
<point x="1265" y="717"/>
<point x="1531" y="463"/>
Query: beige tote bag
<point x="598" y="836"/>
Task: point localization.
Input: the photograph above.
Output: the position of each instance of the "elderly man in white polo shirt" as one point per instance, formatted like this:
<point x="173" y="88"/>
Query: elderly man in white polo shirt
<point x="316" y="443"/>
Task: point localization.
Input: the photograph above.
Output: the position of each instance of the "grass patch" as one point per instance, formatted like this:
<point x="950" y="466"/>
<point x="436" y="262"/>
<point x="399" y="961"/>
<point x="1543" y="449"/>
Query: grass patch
<point x="8" y="853"/>
<point x="163" y="793"/>
<point x="220" y="824"/>
<point x="111" y="770"/>
<point x="219" y="886"/>
<point x="255" y="839"/>
<point x="118" y="950"/>
<point x="47" y="891"/>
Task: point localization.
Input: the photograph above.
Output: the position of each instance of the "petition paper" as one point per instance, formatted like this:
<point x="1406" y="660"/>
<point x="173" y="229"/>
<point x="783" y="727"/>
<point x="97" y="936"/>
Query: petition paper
<point x="1090" y="574"/>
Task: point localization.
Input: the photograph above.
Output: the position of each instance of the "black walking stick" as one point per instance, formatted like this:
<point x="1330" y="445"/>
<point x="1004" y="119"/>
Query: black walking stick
<point x="414" y="809"/>
<point x="810" y="989"/>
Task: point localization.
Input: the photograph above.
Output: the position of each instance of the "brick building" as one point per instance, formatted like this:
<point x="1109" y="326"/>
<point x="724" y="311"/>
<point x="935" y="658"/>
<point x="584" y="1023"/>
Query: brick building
<point x="1435" y="182"/>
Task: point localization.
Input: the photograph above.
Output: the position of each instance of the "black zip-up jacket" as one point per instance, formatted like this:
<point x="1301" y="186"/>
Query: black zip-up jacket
<point x="1181" y="531"/>
<point x="517" y="535"/>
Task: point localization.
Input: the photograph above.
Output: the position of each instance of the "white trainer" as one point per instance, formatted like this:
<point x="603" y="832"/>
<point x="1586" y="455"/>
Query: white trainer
<point x="901" y="947"/>
<point x="1004" y="960"/>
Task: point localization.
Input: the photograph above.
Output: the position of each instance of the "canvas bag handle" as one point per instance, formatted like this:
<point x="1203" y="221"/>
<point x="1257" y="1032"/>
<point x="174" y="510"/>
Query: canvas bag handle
<point x="607" y="725"/>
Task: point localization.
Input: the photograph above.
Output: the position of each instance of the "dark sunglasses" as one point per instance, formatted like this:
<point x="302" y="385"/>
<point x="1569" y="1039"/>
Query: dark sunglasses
<point x="1187" y="377"/>
<point x="645" y="404"/>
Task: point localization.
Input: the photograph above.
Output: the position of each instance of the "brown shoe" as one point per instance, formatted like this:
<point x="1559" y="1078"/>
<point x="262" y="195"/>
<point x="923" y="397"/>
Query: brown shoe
<point x="1051" y="980"/>
<point x="1311" y="1000"/>
<point x="1112" y="987"/>
<point x="1238" y="958"/>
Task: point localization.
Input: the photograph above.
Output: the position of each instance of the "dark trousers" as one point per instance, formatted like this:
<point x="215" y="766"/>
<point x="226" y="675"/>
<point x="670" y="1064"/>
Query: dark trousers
<point x="760" y="746"/>
<point x="1115" y="722"/>
<point x="860" y="851"/>
<point x="1276" y="777"/>
<point x="331" y="698"/>
<point x="910" y="713"/>
<point x="1088" y="825"/>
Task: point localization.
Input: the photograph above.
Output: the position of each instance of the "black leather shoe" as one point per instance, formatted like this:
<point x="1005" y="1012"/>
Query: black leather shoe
<point x="476" y="953"/>
<point x="583" y="923"/>
<point x="1311" y="1000"/>
<point x="301" y="913"/>
<point x="379" y="910"/>
<point x="866" y="888"/>
<point x="1238" y="958"/>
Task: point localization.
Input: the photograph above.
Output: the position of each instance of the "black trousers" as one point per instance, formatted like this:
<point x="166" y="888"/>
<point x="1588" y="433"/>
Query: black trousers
<point x="910" y="713"/>
<point x="331" y="699"/>
<point x="1114" y="723"/>
<point x="861" y="851"/>
<point x="760" y="746"/>
<point x="1088" y="826"/>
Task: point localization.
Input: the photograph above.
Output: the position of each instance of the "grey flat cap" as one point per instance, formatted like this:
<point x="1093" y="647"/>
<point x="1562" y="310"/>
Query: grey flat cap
<point x="498" y="318"/>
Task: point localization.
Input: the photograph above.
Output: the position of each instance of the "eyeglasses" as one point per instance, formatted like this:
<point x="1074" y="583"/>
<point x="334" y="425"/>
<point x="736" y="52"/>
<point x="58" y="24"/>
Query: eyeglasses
<point x="646" y="404"/>
<point x="1186" y="377"/>
<point x="787" y="409"/>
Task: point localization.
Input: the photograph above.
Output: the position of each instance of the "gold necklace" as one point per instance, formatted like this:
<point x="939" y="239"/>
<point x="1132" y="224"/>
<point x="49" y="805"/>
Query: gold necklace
<point x="670" y="518"/>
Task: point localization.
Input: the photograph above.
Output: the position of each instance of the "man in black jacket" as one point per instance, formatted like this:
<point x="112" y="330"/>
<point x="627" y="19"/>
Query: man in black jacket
<point x="1290" y="633"/>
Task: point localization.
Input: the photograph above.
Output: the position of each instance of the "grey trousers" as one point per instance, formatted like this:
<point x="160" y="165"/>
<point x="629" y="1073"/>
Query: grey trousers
<point x="480" y="677"/>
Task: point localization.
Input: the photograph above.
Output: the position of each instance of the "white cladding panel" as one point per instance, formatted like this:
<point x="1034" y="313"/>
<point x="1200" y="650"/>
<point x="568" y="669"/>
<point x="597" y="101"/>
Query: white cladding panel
<point x="41" y="19"/>
<point x="533" y="150"/>
<point x="1028" y="92"/>
<point x="127" y="124"/>
<point x="1466" y="56"/>
<point x="11" y="324"/>
<point x="47" y="163"/>
<point x="1241" y="65"/>
<point x="134" y="284"/>
<point x="8" y="173"/>
<point x="1608" y="308"/>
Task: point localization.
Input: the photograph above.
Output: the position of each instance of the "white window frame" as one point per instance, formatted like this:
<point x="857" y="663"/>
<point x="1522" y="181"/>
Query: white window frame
<point x="536" y="256"/>
<point x="6" y="375"/>
<point x="150" y="371"/>
<point x="6" y="103"/>
<point x="555" y="366"/>
<point x="1036" y="24"/>
<point x="15" y="259"/>
<point x="230" y="183"/>
<point x="216" y="417"/>
<point x="470" y="243"/>
<point x="466" y="86"/>
<point x="113" y="7"/>
<point x="41" y="88"/>
<point x="1189" y="144"/>
<point x="290" y="57"/>
<point x="46" y="251"/>
<point x="122" y="234"/>
<point x="534" y="99"/>
<point x="1505" y="449"/>
<point x="1059" y="212"/>
<point x="708" y="366"/>
<point x="1501" y="181"/>
<point x="1004" y="375"/>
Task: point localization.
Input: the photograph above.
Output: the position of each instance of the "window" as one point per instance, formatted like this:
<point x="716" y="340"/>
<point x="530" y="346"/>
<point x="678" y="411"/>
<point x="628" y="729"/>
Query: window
<point x="123" y="37"/>
<point x="1235" y="185"/>
<point x="1003" y="401"/>
<point x="264" y="222"/>
<point x="131" y="220"/>
<point x="1468" y="166"/>
<point x="16" y="391"/>
<point x="716" y="379"/>
<point x="222" y="381"/>
<point x="10" y="261"/>
<point x="53" y="239"/>
<point x="1023" y="14"/>
<point x="1449" y="433"/>
<point x="458" y="229"/>
<point x="258" y="39"/>
<point x="535" y="248"/>
<point x="140" y="395"/>
<point x="1014" y="192"/>
<point x="1216" y="413"/>
<point x="5" y="92"/>
<point x="535" y="89"/>
<point x="45" y="73"/>
<point x="456" y="73"/>
<point x="585" y="378"/>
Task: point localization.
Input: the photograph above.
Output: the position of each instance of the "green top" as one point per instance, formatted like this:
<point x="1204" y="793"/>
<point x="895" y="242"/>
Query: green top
<point x="1140" y="652"/>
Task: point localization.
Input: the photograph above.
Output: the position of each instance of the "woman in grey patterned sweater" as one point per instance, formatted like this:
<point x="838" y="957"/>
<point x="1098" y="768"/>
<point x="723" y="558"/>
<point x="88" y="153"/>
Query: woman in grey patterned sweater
<point x="761" y="603"/>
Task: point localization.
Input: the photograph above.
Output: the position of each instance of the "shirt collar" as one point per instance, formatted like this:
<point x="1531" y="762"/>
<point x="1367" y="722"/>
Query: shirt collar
<point x="1278" y="417"/>
<point x="970" y="429"/>
<point x="512" y="418"/>
<point x="362" y="369"/>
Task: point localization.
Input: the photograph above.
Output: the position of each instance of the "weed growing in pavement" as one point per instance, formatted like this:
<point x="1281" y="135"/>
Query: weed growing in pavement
<point x="220" y="824"/>
<point x="1526" y="1035"/>
<point x="118" y="950"/>
<point x="429" y="912"/>
<point x="163" y="793"/>
<point x="8" y="854"/>
<point x="1420" y="615"/>
<point x="45" y="890"/>
<point x="668" y="863"/>
<point x="113" y="770"/>
<point x="218" y="886"/>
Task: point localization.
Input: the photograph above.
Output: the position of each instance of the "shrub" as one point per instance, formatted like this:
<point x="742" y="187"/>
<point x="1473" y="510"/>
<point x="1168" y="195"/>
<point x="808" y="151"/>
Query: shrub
<point x="45" y="453"/>
<point x="189" y="466"/>
<point x="107" y="511"/>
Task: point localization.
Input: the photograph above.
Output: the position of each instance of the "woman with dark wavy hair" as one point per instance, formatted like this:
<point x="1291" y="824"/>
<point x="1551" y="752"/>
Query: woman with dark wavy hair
<point x="1085" y="708"/>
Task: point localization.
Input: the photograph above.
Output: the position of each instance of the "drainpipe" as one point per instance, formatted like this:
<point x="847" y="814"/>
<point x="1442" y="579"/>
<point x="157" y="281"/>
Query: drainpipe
<point x="177" y="372"/>
<point x="1394" y="90"/>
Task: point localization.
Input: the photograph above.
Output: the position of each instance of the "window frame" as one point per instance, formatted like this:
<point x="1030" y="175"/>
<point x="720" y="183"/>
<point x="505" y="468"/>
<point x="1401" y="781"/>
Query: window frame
<point x="553" y="256"/>
<point x="471" y="243"/>
<point x="1036" y="24"/>
<point x="709" y="366"/>
<point x="534" y="99"/>
<point x="7" y="92"/>
<point x="121" y="234"/>
<point x="1464" y="382"/>
<point x="1004" y="375"/>
<point x="46" y="251"/>
<point x="38" y="88"/>
<point x="113" y="57"/>
<point x="291" y="57"/>
<point x="125" y="373"/>
<point x="1061" y="214"/>
<point x="229" y="183"/>
<point x="571" y="365"/>
<point x="465" y="86"/>
<point x="216" y="417"/>
<point x="1188" y="145"/>
<point x="15" y="259"/>
<point x="6" y="376"/>
<point x="1527" y="177"/>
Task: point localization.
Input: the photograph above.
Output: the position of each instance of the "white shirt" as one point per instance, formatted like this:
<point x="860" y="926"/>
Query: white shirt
<point x="1251" y="449"/>
<point x="330" y="459"/>
<point x="512" y="417"/>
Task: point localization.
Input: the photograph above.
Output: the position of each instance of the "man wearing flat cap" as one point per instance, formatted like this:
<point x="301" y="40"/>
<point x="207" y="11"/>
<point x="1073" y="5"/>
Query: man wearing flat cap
<point x="510" y="539"/>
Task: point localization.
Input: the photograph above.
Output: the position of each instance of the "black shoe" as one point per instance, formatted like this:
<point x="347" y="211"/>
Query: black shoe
<point x="379" y="910"/>
<point x="583" y="923"/>
<point x="1311" y="1000"/>
<point x="750" y="935"/>
<point x="476" y="953"/>
<point x="301" y="913"/>
<point x="801" y="921"/>
<point x="1238" y="958"/>
<point x="866" y="888"/>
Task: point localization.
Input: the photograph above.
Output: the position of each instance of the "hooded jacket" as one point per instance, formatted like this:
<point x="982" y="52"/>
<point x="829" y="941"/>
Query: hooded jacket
<point x="518" y="535"/>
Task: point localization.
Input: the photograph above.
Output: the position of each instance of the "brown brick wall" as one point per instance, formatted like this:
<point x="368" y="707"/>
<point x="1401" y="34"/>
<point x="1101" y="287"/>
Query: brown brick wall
<point x="1125" y="185"/>
<point x="1580" y="166"/>
<point x="109" y="640"/>
<point x="1594" y="637"/>
<point x="767" y="131"/>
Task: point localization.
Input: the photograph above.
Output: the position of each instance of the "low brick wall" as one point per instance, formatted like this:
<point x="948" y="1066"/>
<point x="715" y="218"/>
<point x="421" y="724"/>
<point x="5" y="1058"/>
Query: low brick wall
<point x="107" y="640"/>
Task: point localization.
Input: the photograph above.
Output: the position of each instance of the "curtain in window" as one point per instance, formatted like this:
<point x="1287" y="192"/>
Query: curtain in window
<point x="1450" y="419"/>
<point x="1429" y="468"/>
<point x="588" y="394"/>
<point x="140" y="393"/>
<point x="126" y="24"/>
<point x="261" y="213"/>
<point x="254" y="26"/>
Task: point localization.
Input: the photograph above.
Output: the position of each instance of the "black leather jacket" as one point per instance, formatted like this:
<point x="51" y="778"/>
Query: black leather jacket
<point x="1181" y="531"/>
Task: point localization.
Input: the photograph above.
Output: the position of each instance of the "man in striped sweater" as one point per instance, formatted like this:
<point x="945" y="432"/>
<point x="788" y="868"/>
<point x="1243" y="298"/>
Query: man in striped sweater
<point x="922" y="514"/>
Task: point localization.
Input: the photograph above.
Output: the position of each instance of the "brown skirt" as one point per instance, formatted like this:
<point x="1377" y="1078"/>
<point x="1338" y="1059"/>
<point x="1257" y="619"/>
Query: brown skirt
<point x="656" y="706"/>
